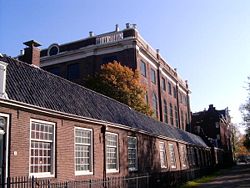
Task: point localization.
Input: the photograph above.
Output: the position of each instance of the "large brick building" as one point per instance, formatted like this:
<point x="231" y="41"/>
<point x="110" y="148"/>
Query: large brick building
<point x="53" y="128"/>
<point x="214" y="126"/>
<point x="167" y="93"/>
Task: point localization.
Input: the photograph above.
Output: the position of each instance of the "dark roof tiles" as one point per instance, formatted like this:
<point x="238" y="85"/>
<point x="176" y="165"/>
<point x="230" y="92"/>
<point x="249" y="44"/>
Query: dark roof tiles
<point x="35" y="86"/>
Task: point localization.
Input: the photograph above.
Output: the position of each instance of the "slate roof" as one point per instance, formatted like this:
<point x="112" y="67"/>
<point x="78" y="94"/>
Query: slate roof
<point x="28" y="84"/>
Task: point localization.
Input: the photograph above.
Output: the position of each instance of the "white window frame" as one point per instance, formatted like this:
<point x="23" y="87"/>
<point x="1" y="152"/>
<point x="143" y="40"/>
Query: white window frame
<point x="164" y="159"/>
<point x="117" y="154"/>
<point x="183" y="156"/>
<point x="84" y="172"/>
<point x="7" y="116"/>
<point x="44" y="174"/>
<point x="172" y="156"/>
<point x="136" y="155"/>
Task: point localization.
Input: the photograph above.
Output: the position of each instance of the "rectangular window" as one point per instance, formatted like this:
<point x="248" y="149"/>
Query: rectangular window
<point x="172" y="156"/>
<point x="176" y="116"/>
<point x="183" y="156"/>
<point x="171" y="114"/>
<point x="42" y="146"/>
<point x="112" y="152"/>
<point x="175" y="92"/>
<point x="73" y="71"/>
<point x="132" y="153"/>
<point x="163" y="83"/>
<point x="143" y="69"/>
<point x="153" y="76"/>
<point x="169" y="88"/>
<point x="163" y="157"/>
<point x="165" y="106"/>
<point x="83" y="151"/>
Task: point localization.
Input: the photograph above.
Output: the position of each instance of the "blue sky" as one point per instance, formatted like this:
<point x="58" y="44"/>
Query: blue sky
<point x="208" y="41"/>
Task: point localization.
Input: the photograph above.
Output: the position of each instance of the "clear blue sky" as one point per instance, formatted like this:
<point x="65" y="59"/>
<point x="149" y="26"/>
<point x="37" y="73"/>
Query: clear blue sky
<point x="208" y="41"/>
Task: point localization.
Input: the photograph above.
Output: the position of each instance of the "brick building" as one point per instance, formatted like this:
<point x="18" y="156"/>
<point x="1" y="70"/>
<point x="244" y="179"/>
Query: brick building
<point x="167" y="93"/>
<point x="53" y="128"/>
<point x="214" y="126"/>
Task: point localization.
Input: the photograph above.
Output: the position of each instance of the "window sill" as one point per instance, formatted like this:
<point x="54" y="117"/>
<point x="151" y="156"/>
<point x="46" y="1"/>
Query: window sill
<point x="42" y="175"/>
<point x="83" y="173"/>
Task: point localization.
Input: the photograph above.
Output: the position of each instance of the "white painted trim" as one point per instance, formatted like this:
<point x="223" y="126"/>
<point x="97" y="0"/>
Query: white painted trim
<point x="147" y="60"/>
<point x="7" y="116"/>
<point x="45" y="174"/>
<point x="136" y="167"/>
<point x="3" y="68"/>
<point x="172" y="145"/>
<point x="118" y="152"/>
<point x="84" y="172"/>
<point x="168" y="77"/>
<point x="163" y="165"/>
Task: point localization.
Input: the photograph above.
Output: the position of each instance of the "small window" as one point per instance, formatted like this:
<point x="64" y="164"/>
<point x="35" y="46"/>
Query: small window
<point x="132" y="153"/>
<point x="42" y="146"/>
<point x="163" y="83"/>
<point x="83" y="151"/>
<point x="163" y="157"/>
<point x="153" y="76"/>
<point x="172" y="156"/>
<point x="73" y="71"/>
<point x="169" y="88"/>
<point x="53" y="50"/>
<point x="112" y="152"/>
<point x="165" y="107"/>
<point x="143" y="69"/>
<point x="155" y="105"/>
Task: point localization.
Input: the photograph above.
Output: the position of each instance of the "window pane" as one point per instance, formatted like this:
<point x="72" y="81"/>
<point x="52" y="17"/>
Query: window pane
<point x="83" y="152"/>
<point x="111" y="151"/>
<point x="143" y="69"/>
<point x="153" y="76"/>
<point x="132" y="153"/>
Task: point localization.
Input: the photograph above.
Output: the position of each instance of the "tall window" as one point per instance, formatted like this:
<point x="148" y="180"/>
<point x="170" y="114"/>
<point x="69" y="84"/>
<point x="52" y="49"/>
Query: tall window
<point x="165" y="111"/>
<point x="146" y="97"/>
<point x="132" y="153"/>
<point x="182" y="120"/>
<point x="172" y="156"/>
<point x="163" y="157"/>
<point x="143" y="69"/>
<point x="171" y="114"/>
<point x="155" y="105"/>
<point x="42" y="144"/>
<point x="176" y="116"/>
<point x="83" y="151"/>
<point x="112" y="152"/>
<point x="169" y="88"/>
<point x="153" y="76"/>
<point x="183" y="156"/>
<point x="175" y="92"/>
<point x="163" y="83"/>
<point x="73" y="71"/>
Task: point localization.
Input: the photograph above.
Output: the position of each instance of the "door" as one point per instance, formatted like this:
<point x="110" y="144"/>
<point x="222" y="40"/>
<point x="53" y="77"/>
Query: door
<point x="3" y="146"/>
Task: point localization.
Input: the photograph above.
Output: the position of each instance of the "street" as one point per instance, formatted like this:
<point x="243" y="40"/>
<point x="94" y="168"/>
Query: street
<point x="237" y="176"/>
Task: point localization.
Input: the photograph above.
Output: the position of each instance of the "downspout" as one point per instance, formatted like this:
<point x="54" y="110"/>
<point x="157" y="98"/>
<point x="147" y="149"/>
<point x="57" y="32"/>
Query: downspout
<point x="103" y="131"/>
<point x="159" y="85"/>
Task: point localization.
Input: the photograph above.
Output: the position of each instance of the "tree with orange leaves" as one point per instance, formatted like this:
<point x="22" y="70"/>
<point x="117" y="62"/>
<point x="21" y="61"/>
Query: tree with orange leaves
<point x="122" y="84"/>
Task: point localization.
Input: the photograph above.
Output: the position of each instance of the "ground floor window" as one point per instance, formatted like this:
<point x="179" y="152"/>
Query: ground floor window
<point x="112" y="152"/>
<point x="83" y="151"/>
<point x="42" y="148"/>
<point x="172" y="156"/>
<point x="163" y="157"/>
<point x="132" y="153"/>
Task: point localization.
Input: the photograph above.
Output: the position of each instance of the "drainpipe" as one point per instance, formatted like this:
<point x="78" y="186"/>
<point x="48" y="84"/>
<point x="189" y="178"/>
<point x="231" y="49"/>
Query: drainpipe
<point x="103" y="131"/>
<point x="159" y="85"/>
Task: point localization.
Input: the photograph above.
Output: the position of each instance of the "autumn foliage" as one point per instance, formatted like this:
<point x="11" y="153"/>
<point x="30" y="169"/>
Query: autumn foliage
<point x="121" y="83"/>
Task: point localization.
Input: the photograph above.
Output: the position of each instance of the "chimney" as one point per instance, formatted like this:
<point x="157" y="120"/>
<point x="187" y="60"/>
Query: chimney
<point x="91" y="34"/>
<point x="31" y="53"/>
<point x="127" y="25"/>
<point x="117" y="28"/>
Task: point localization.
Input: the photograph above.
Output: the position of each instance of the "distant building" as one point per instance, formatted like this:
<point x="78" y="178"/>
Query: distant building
<point x="167" y="93"/>
<point x="214" y="126"/>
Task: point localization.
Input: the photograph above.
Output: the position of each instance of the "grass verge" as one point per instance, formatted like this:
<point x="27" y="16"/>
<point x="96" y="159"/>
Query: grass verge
<point x="197" y="182"/>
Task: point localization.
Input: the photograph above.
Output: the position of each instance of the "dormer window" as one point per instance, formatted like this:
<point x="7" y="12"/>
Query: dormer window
<point x="3" y="67"/>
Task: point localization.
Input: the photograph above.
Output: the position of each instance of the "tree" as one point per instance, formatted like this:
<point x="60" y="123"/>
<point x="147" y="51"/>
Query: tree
<point x="121" y="83"/>
<point x="245" y="110"/>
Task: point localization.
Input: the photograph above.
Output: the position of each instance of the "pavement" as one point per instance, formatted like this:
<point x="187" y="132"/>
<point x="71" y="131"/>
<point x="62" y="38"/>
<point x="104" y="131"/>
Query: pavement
<point x="236" y="177"/>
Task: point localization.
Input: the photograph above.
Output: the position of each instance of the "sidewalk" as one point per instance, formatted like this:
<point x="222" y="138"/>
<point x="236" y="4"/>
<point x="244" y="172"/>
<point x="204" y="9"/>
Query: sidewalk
<point x="236" y="177"/>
